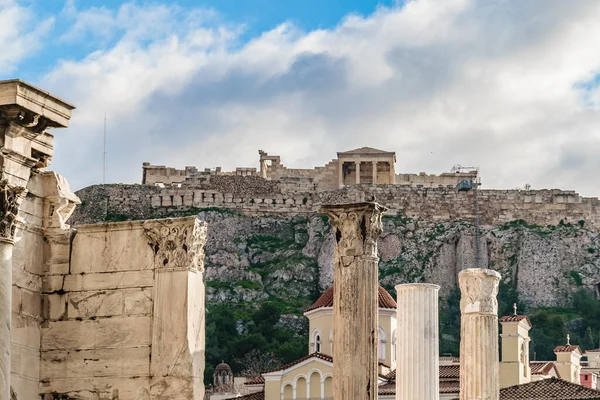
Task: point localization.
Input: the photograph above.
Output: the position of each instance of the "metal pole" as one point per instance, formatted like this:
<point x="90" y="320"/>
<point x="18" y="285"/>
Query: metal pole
<point x="477" y="233"/>
<point x="104" y="154"/>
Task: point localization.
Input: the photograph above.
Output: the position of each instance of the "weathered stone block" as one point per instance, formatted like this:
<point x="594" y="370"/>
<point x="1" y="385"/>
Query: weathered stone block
<point x="117" y="363"/>
<point x="101" y="333"/>
<point x="111" y="247"/>
<point x="109" y="280"/>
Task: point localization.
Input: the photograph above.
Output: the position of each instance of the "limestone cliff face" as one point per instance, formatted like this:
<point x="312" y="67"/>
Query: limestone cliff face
<point x="545" y="264"/>
<point x="289" y="259"/>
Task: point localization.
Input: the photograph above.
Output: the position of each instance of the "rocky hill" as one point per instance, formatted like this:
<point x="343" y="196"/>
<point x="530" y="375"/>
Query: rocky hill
<point x="288" y="260"/>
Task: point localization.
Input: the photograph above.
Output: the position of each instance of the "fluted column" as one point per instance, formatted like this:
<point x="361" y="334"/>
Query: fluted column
<point x="417" y="342"/>
<point x="355" y="315"/>
<point x="479" y="362"/>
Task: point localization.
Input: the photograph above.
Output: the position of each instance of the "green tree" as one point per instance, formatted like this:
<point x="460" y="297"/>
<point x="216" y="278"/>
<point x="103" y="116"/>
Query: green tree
<point x="587" y="342"/>
<point x="266" y="319"/>
<point x="450" y="324"/>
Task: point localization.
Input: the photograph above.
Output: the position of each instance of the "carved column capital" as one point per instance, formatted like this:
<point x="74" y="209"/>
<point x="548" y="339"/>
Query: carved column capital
<point x="10" y="200"/>
<point x="31" y="122"/>
<point x="479" y="288"/>
<point x="357" y="227"/>
<point x="178" y="243"/>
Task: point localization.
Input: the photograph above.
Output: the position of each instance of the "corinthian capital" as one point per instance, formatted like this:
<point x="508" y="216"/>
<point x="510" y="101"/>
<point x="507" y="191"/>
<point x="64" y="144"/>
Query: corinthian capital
<point x="10" y="200"/>
<point x="357" y="227"/>
<point x="478" y="291"/>
<point x="178" y="243"/>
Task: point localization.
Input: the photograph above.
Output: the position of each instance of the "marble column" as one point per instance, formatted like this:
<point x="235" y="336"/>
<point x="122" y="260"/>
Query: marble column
<point x="417" y="342"/>
<point x="340" y="173"/>
<point x="357" y="176"/>
<point x="479" y="360"/>
<point x="10" y="199"/>
<point x="355" y="315"/>
<point x="178" y="328"/>
<point x="374" y="172"/>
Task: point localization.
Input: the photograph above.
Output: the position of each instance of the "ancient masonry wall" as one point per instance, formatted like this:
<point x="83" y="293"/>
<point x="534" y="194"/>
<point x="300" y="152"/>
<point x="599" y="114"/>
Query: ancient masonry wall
<point x="541" y="207"/>
<point x="118" y="315"/>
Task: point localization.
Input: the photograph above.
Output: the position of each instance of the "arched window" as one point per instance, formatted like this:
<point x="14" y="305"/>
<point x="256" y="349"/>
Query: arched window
<point x="382" y="340"/>
<point x="318" y="343"/>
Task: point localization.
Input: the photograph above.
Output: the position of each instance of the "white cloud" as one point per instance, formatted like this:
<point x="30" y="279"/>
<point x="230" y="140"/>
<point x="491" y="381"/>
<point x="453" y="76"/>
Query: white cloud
<point x="20" y="35"/>
<point x="499" y="84"/>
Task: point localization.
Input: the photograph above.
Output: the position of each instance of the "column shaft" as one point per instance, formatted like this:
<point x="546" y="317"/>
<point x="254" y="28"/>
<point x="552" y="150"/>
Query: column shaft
<point x="6" y="250"/>
<point x="357" y="164"/>
<point x="355" y="313"/>
<point x="355" y="322"/>
<point x="479" y="360"/>
<point x="417" y="342"/>
<point x="374" y="172"/>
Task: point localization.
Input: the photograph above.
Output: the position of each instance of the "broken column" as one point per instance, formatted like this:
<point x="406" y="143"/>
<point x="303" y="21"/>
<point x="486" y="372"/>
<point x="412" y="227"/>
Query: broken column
<point x="178" y="329"/>
<point x="479" y="361"/>
<point x="417" y="342"/>
<point x="355" y="318"/>
<point x="26" y="113"/>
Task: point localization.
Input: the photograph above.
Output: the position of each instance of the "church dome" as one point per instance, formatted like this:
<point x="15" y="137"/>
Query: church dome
<point x="326" y="300"/>
<point x="223" y="367"/>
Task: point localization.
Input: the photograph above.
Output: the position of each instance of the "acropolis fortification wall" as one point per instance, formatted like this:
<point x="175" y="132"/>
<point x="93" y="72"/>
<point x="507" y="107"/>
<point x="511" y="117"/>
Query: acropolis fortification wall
<point x="257" y="196"/>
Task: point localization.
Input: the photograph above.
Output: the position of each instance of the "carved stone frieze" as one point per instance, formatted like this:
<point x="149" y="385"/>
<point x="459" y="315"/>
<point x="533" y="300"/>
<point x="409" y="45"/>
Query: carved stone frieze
<point x="178" y="243"/>
<point x="10" y="200"/>
<point x="357" y="227"/>
<point x="479" y="289"/>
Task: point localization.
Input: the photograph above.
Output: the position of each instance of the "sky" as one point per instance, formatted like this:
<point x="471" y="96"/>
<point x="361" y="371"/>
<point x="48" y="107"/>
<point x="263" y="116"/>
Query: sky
<point x="510" y="86"/>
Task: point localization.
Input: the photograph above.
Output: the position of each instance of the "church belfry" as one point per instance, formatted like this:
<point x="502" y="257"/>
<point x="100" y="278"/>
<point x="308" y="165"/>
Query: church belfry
<point x="514" y="365"/>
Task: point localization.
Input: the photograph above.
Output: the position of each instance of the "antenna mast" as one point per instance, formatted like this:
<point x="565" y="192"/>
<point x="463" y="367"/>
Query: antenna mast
<point x="104" y="154"/>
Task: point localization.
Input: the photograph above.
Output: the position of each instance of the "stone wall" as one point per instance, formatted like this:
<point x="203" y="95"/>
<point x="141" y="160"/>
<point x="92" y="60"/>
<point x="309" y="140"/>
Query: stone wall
<point x="123" y="318"/>
<point x="257" y="196"/>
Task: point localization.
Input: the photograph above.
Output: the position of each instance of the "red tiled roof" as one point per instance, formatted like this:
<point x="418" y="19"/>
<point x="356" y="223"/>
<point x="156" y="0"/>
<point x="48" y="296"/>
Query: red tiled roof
<point x="449" y="371"/>
<point x="320" y="356"/>
<point x="515" y="318"/>
<point x="566" y="349"/>
<point x="542" y="367"/>
<point x="326" y="300"/>
<point x="546" y="389"/>
<point x="593" y="351"/>
<point x="386" y="388"/>
<point x="256" y="381"/>
<point x="449" y="386"/>
<point x="254" y="396"/>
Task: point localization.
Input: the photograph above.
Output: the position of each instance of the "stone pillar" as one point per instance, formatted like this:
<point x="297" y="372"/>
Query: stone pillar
<point x="479" y="362"/>
<point x="417" y="342"/>
<point x="374" y="172"/>
<point x="355" y="287"/>
<point x="10" y="199"/>
<point x="26" y="113"/>
<point x="178" y="343"/>
<point x="340" y="173"/>
<point x="357" y="164"/>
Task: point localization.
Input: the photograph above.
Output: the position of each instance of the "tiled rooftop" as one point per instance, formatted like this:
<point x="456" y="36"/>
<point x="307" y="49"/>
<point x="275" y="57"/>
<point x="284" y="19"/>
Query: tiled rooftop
<point x="321" y="356"/>
<point x="546" y="389"/>
<point x="566" y="349"/>
<point x="515" y="318"/>
<point x="253" y="396"/>
<point x="326" y="300"/>
<point x="542" y="367"/>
